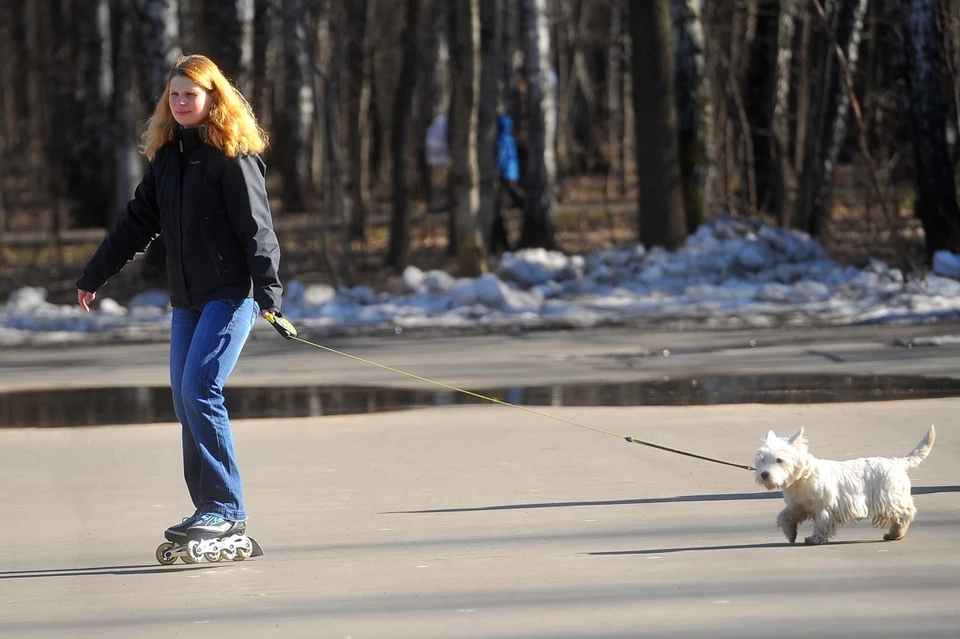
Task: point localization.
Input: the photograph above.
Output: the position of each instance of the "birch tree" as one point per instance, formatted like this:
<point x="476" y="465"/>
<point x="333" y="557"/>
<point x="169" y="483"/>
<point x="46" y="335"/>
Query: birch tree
<point x="539" y="180"/>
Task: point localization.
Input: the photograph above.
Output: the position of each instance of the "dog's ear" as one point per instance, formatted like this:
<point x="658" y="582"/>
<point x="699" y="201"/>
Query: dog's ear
<point x="771" y="437"/>
<point x="797" y="438"/>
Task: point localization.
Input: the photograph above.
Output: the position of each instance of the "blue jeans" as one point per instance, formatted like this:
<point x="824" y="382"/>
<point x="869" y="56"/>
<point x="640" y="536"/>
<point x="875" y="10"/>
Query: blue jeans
<point x="204" y="348"/>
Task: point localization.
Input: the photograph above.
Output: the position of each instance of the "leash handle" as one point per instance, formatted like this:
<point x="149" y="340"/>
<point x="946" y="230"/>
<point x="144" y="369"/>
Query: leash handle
<point x="283" y="326"/>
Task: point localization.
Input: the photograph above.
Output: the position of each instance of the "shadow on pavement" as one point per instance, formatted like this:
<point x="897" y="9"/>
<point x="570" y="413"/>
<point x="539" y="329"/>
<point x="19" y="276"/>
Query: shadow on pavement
<point x="783" y="544"/>
<point x="921" y="490"/>
<point x="143" y="569"/>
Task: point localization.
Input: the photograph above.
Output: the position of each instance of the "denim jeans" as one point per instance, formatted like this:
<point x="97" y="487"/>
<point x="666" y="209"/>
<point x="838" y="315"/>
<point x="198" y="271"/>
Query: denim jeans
<point x="204" y="348"/>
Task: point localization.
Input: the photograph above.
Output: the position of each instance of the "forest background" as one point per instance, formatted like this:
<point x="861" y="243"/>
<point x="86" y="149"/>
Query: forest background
<point x="634" y="121"/>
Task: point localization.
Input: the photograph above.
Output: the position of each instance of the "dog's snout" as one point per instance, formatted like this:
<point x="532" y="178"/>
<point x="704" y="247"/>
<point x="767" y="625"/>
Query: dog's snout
<point x="765" y="475"/>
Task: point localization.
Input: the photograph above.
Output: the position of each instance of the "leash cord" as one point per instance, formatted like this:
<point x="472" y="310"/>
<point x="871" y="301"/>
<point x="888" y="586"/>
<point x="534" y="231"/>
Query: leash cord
<point x="289" y="332"/>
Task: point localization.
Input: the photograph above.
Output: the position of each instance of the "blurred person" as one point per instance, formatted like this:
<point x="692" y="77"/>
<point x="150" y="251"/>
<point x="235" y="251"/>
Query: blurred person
<point x="204" y="190"/>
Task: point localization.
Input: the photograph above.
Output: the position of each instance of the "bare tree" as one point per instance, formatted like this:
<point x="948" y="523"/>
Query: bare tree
<point x="694" y="107"/>
<point x="491" y="36"/>
<point x="90" y="185"/>
<point x="331" y="95"/>
<point x="781" y="144"/>
<point x="936" y="201"/>
<point x="662" y="216"/>
<point x="158" y="40"/>
<point x="227" y="38"/>
<point x="616" y="114"/>
<point x="464" y="172"/>
<point x="294" y="133"/>
<point x="360" y="17"/>
<point x="399" y="252"/>
<point x="127" y="167"/>
<point x="158" y="36"/>
<point x="264" y="63"/>
<point x="844" y="25"/>
<point x="538" y="219"/>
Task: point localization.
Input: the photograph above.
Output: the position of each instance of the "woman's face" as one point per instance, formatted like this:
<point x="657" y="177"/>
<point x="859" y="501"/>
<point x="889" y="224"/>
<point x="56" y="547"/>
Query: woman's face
<point x="189" y="102"/>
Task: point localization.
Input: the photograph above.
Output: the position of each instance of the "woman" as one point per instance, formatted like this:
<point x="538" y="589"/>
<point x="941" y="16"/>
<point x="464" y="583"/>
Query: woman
<point x="204" y="190"/>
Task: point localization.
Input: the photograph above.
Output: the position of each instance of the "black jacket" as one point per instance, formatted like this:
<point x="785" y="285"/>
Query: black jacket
<point x="214" y="214"/>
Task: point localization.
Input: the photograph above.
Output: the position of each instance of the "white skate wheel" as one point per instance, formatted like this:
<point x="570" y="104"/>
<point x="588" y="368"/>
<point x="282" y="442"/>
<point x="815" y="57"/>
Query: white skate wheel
<point x="192" y="556"/>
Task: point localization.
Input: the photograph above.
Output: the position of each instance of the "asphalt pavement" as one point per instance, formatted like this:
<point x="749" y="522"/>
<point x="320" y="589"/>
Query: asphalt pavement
<point x="485" y="521"/>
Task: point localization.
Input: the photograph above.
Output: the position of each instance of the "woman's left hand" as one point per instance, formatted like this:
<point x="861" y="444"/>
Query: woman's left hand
<point x="269" y="311"/>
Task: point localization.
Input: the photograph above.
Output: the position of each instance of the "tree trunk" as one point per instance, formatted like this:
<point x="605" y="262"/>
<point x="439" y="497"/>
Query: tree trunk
<point x="90" y="184"/>
<point x="399" y="253"/>
<point x="227" y="39"/>
<point x="538" y="219"/>
<point x="294" y="135"/>
<point x="361" y="18"/>
<point x="936" y="201"/>
<point x="662" y="215"/>
<point x="127" y="168"/>
<point x="844" y="25"/>
<point x="760" y="85"/>
<point x="781" y="145"/>
<point x="331" y="94"/>
<point x="615" y="107"/>
<point x="318" y="61"/>
<point x="12" y="79"/>
<point x="464" y="172"/>
<point x="158" y="46"/>
<point x="491" y="32"/>
<point x="264" y="62"/>
<point x="694" y="108"/>
<point x="158" y="41"/>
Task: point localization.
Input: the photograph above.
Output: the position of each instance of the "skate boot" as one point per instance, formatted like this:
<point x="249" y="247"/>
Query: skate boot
<point x="209" y="526"/>
<point x="178" y="532"/>
<point x="210" y="538"/>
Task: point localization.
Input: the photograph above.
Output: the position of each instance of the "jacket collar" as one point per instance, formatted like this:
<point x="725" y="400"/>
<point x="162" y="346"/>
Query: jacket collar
<point x="188" y="139"/>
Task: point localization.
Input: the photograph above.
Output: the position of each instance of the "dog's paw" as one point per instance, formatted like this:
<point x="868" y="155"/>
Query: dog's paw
<point x="792" y="538"/>
<point x="815" y="540"/>
<point x="893" y="536"/>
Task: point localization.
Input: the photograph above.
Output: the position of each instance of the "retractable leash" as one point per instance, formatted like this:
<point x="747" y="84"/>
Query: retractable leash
<point x="288" y="331"/>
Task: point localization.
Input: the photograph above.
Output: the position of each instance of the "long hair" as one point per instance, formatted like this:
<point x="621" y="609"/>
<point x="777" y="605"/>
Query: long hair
<point x="230" y="126"/>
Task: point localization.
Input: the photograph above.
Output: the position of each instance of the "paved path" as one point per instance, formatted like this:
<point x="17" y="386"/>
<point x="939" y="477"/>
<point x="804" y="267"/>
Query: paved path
<point x="484" y="522"/>
<point x="508" y="360"/>
<point x="477" y="522"/>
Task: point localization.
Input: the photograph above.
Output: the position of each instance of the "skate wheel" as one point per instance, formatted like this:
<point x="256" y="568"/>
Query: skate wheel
<point x="244" y="550"/>
<point x="192" y="556"/>
<point x="229" y="554"/>
<point x="214" y="556"/>
<point x="164" y="556"/>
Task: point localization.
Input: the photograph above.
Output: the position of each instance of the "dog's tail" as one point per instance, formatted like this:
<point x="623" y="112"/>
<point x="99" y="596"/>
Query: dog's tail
<point x="918" y="454"/>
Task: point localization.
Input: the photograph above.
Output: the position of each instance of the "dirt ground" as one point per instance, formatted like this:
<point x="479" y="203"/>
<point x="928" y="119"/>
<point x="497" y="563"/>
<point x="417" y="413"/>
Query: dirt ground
<point x="591" y="215"/>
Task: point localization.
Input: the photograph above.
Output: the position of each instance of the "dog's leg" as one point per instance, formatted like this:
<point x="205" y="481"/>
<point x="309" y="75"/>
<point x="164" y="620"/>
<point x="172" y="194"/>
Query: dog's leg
<point x="787" y="520"/>
<point x="897" y="531"/>
<point x="900" y="524"/>
<point x="823" y="528"/>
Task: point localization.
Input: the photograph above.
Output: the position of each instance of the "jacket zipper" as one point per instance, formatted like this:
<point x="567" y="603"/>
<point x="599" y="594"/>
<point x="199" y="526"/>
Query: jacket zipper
<point x="182" y="169"/>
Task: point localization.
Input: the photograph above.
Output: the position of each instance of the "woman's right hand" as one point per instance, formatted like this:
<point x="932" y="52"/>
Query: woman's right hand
<point x="85" y="298"/>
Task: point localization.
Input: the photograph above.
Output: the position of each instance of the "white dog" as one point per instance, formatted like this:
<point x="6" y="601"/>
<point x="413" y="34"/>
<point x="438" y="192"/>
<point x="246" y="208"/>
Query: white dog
<point x="832" y="493"/>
